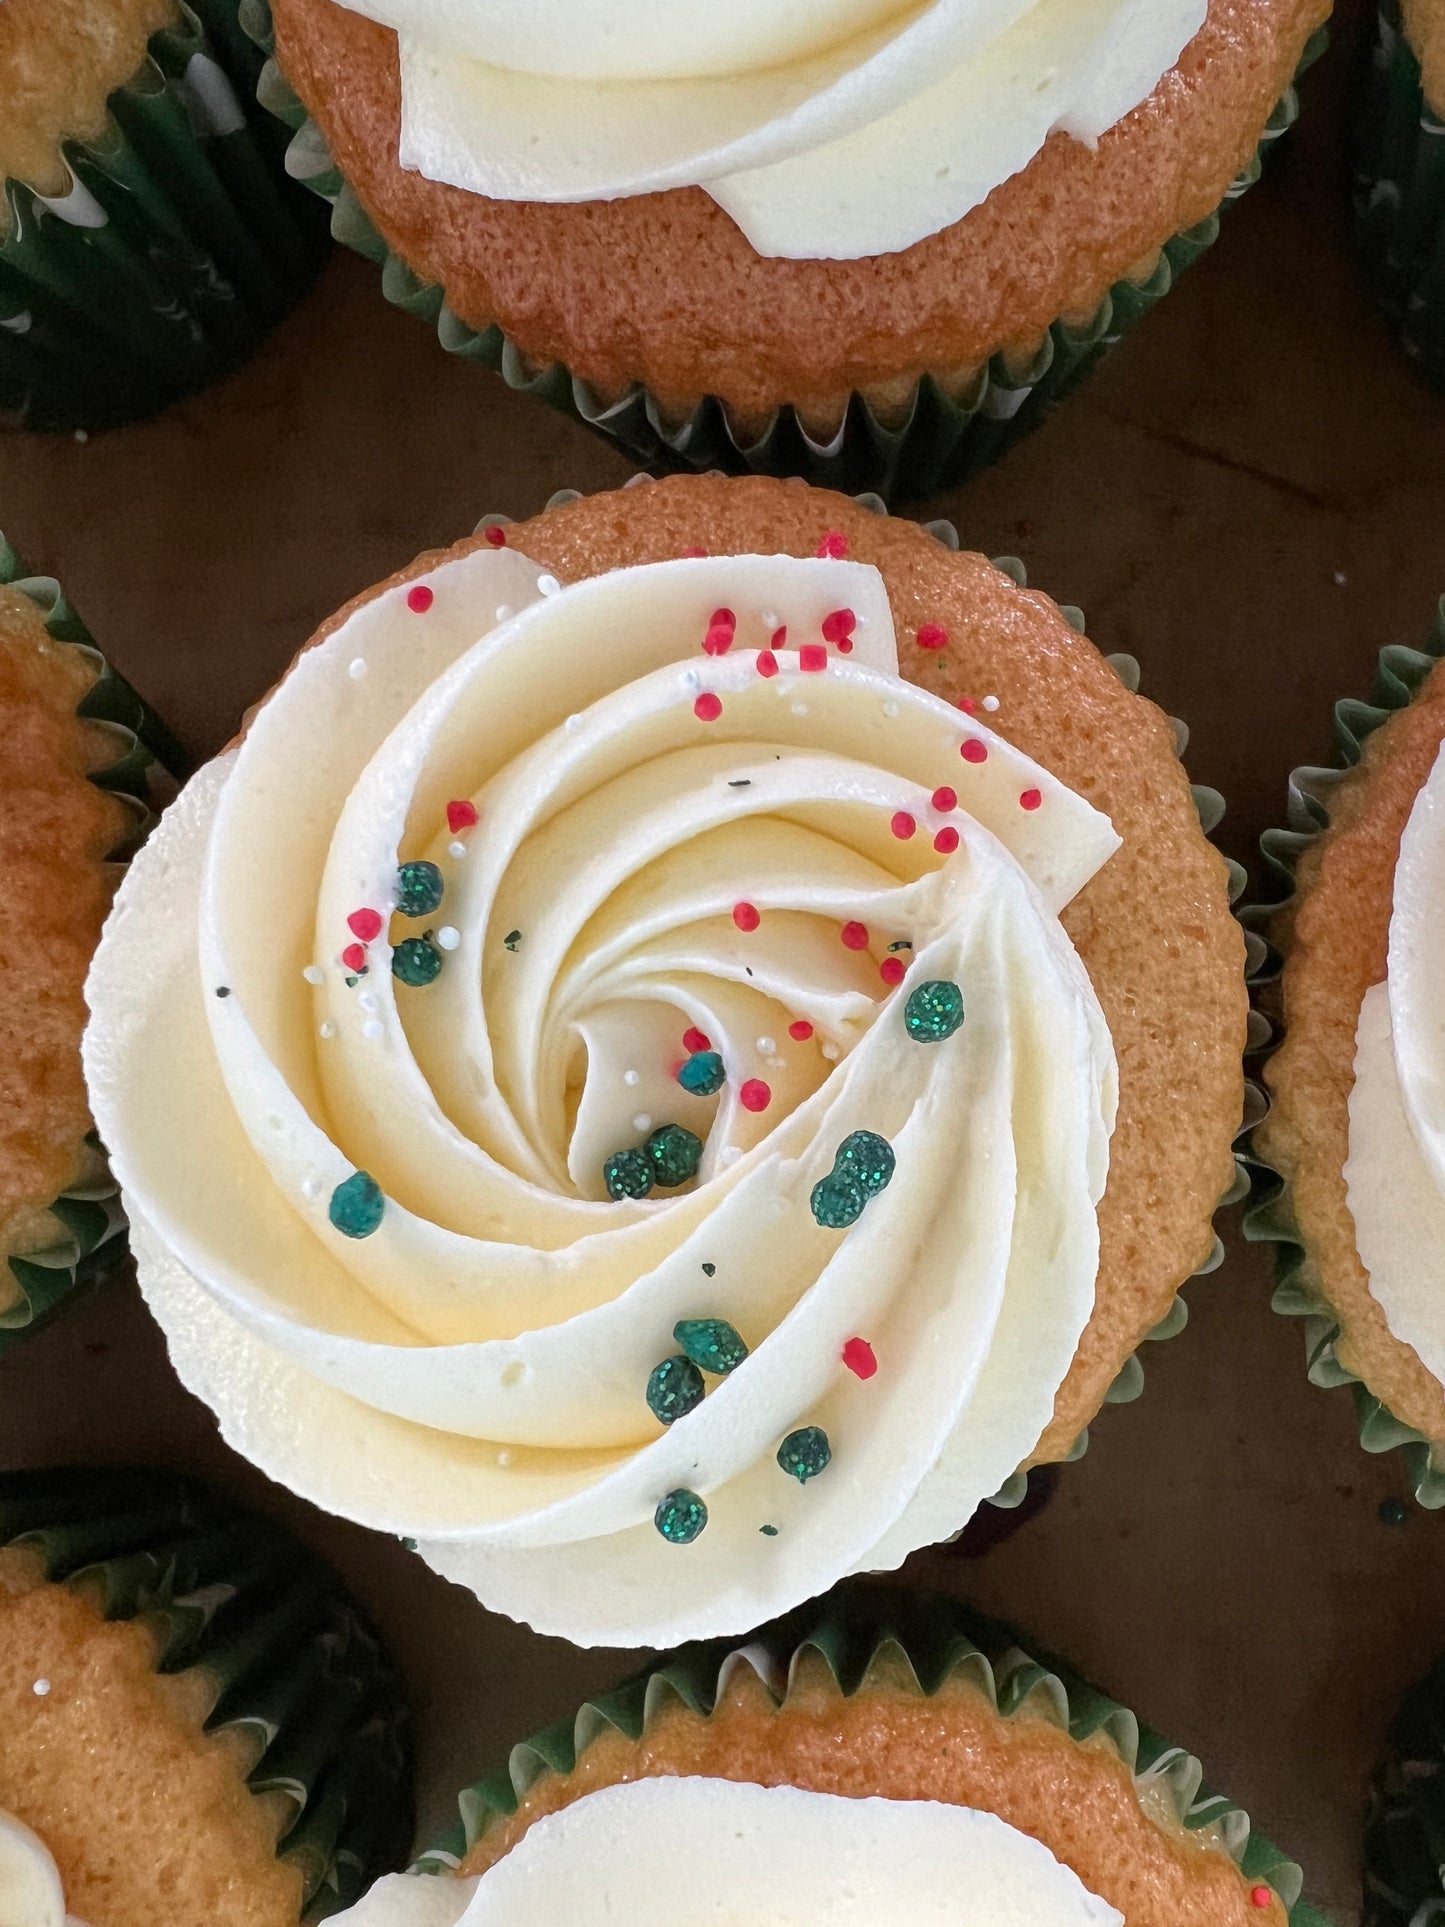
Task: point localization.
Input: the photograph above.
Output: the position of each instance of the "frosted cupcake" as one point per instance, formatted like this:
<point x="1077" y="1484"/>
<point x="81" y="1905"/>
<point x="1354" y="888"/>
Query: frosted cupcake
<point x="193" y="1715"/>
<point x="877" y="1763"/>
<point x="617" y="1083"/>
<point x="76" y="763"/>
<point x="149" y="236"/>
<point x="866" y="245"/>
<point x="1354" y="1129"/>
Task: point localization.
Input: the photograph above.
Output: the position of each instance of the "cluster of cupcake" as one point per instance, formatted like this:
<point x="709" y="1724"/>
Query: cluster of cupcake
<point x="753" y="1040"/>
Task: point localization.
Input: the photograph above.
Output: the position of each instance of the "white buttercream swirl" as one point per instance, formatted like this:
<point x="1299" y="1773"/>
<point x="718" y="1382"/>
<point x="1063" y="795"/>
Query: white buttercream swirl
<point x="1395" y="1173"/>
<point x="472" y="1374"/>
<point x="723" y="1853"/>
<point x="834" y="128"/>
<point x="31" y="1893"/>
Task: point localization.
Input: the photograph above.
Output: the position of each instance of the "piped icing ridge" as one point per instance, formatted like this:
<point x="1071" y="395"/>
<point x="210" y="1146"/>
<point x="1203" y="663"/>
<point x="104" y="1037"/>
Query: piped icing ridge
<point x="602" y="1089"/>
<point x="31" y="1893"/>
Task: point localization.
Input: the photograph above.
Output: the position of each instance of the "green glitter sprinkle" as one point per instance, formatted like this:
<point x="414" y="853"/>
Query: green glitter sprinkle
<point x="866" y="1158"/>
<point x="419" y="889"/>
<point x="357" y="1205"/>
<point x="901" y="943"/>
<point x="352" y="982"/>
<point x="1393" y="1512"/>
<point x="416" y="961"/>
<point x="674" y="1153"/>
<point x="223" y="990"/>
<point x="712" y="1343"/>
<point x="709" y="1271"/>
<point x="837" y="1202"/>
<point x="673" y="1389"/>
<point x="702" y="1074"/>
<point x="628" y="1174"/>
<point x="933" y="1011"/>
<point x="805" y="1453"/>
<point x="768" y="1532"/>
<point x="410" y="1544"/>
<point x="512" y="939"/>
<point x="680" y="1517"/>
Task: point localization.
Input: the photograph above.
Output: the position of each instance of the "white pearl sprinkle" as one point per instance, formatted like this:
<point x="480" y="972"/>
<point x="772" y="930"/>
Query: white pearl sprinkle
<point x="1340" y="578"/>
<point x="691" y="681"/>
<point x="504" y="1458"/>
<point x="41" y="1688"/>
<point x="830" y="1051"/>
<point x="373" y="1028"/>
<point x="314" y="974"/>
<point x="800" y="709"/>
<point x="574" y="721"/>
<point x="311" y="1187"/>
<point x="328" y="1029"/>
<point x="457" y="849"/>
<point x="357" y="668"/>
<point x="990" y="703"/>
<point x="448" y="937"/>
<point x="769" y="620"/>
<point x="642" y="1121"/>
<point x="548" y="585"/>
<point x="505" y="612"/>
<point x="632" y="1077"/>
<point x="731" y="1153"/>
<point x="767" y="1045"/>
<point x="368" y="1000"/>
<point x="890" y="708"/>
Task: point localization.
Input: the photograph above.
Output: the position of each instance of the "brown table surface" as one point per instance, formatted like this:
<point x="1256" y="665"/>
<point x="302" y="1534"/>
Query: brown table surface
<point x="1249" y="497"/>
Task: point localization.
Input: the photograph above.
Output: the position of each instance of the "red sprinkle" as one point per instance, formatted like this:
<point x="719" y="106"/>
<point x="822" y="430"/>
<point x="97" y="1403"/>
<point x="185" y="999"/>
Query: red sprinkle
<point x="779" y="636"/>
<point x="845" y="645"/>
<point x="834" y="543"/>
<point x="497" y="537"/>
<point x="838" y="625"/>
<point x="860" y="1358"/>
<point x="1260" y="1896"/>
<point x="365" y="924"/>
<point x="722" y="619"/>
<point x="903" y="825"/>
<point x="693" y="550"/>
<point x="694" y="1039"/>
<point x="419" y="599"/>
<point x="708" y="707"/>
<point x="973" y="749"/>
<point x="801" y="1031"/>
<point x="945" y="799"/>
<point x="718" y="640"/>
<point x="767" y="663"/>
<point x="891" y="970"/>
<point x="745" y="916"/>
<point x="755" y="1095"/>
<point x="354" y="956"/>
<point x="946" y="842"/>
<point x="812" y="657"/>
<point x="968" y="705"/>
<point x="1030" y="799"/>
<point x="855" y="936"/>
<point x="461" y="814"/>
<point x="933" y="635"/>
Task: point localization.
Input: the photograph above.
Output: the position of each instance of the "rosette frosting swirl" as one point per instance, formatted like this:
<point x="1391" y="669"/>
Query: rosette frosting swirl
<point x="1395" y="1174"/>
<point x="599" y="1063"/>
<point x="834" y="128"/>
<point x="777" y="1854"/>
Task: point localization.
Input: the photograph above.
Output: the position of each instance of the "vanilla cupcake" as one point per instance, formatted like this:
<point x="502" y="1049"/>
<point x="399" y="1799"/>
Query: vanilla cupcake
<point x="194" y="1717"/>
<point x="867" y="246"/>
<point x="149" y="235"/>
<point x="617" y="1083"/>
<point x="1352" y="1184"/>
<point x="1400" y="178"/>
<point x="77" y="762"/>
<point x="878" y="1761"/>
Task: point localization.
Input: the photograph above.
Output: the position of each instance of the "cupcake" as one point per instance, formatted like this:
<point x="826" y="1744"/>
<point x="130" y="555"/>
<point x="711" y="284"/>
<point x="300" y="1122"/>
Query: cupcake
<point x="1400" y="178"/>
<point x="149" y="236"/>
<point x="865" y="246"/>
<point x="878" y="1761"/>
<point x="655" y="1104"/>
<point x="1404" y="1846"/>
<point x="196" y="1722"/>
<point x="76" y="759"/>
<point x="1351" y="1186"/>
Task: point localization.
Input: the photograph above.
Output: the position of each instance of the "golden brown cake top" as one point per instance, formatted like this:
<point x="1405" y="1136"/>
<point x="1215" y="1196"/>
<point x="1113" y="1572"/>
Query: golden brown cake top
<point x="56" y="829"/>
<point x="1425" y="29"/>
<point x="59" y="62"/>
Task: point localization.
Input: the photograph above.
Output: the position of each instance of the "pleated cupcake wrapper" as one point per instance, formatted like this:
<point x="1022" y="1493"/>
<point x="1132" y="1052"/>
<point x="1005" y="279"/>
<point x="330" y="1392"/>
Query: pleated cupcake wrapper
<point x="1129" y="1381"/>
<point x="933" y="442"/>
<point x="1400" y="197"/>
<point x="299" y="1673"/>
<point x="870" y="1636"/>
<point x="1405" y="1823"/>
<point x="90" y="1214"/>
<point x="1271" y="1217"/>
<point x="180" y="242"/>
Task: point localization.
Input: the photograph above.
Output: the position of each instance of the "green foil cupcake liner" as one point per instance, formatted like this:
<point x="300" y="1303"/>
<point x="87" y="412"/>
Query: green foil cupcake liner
<point x="1128" y="1383"/>
<point x="90" y="1215"/>
<point x="1271" y="1217"/>
<point x="1400" y="197"/>
<point x="1405" y="1821"/>
<point x="179" y="245"/>
<point x="300" y="1678"/>
<point x="863" y="1633"/>
<point x="933" y="442"/>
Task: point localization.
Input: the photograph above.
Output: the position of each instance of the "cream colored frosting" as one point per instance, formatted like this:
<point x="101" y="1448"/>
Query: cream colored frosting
<point x="31" y="1894"/>
<point x="473" y="1374"/>
<point x="835" y="128"/>
<point x="1395" y="1174"/>
<point x="723" y="1853"/>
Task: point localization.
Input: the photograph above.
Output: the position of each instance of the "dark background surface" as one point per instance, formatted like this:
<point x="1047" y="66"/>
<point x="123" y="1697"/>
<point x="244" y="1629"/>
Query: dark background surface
<point x="1248" y="497"/>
